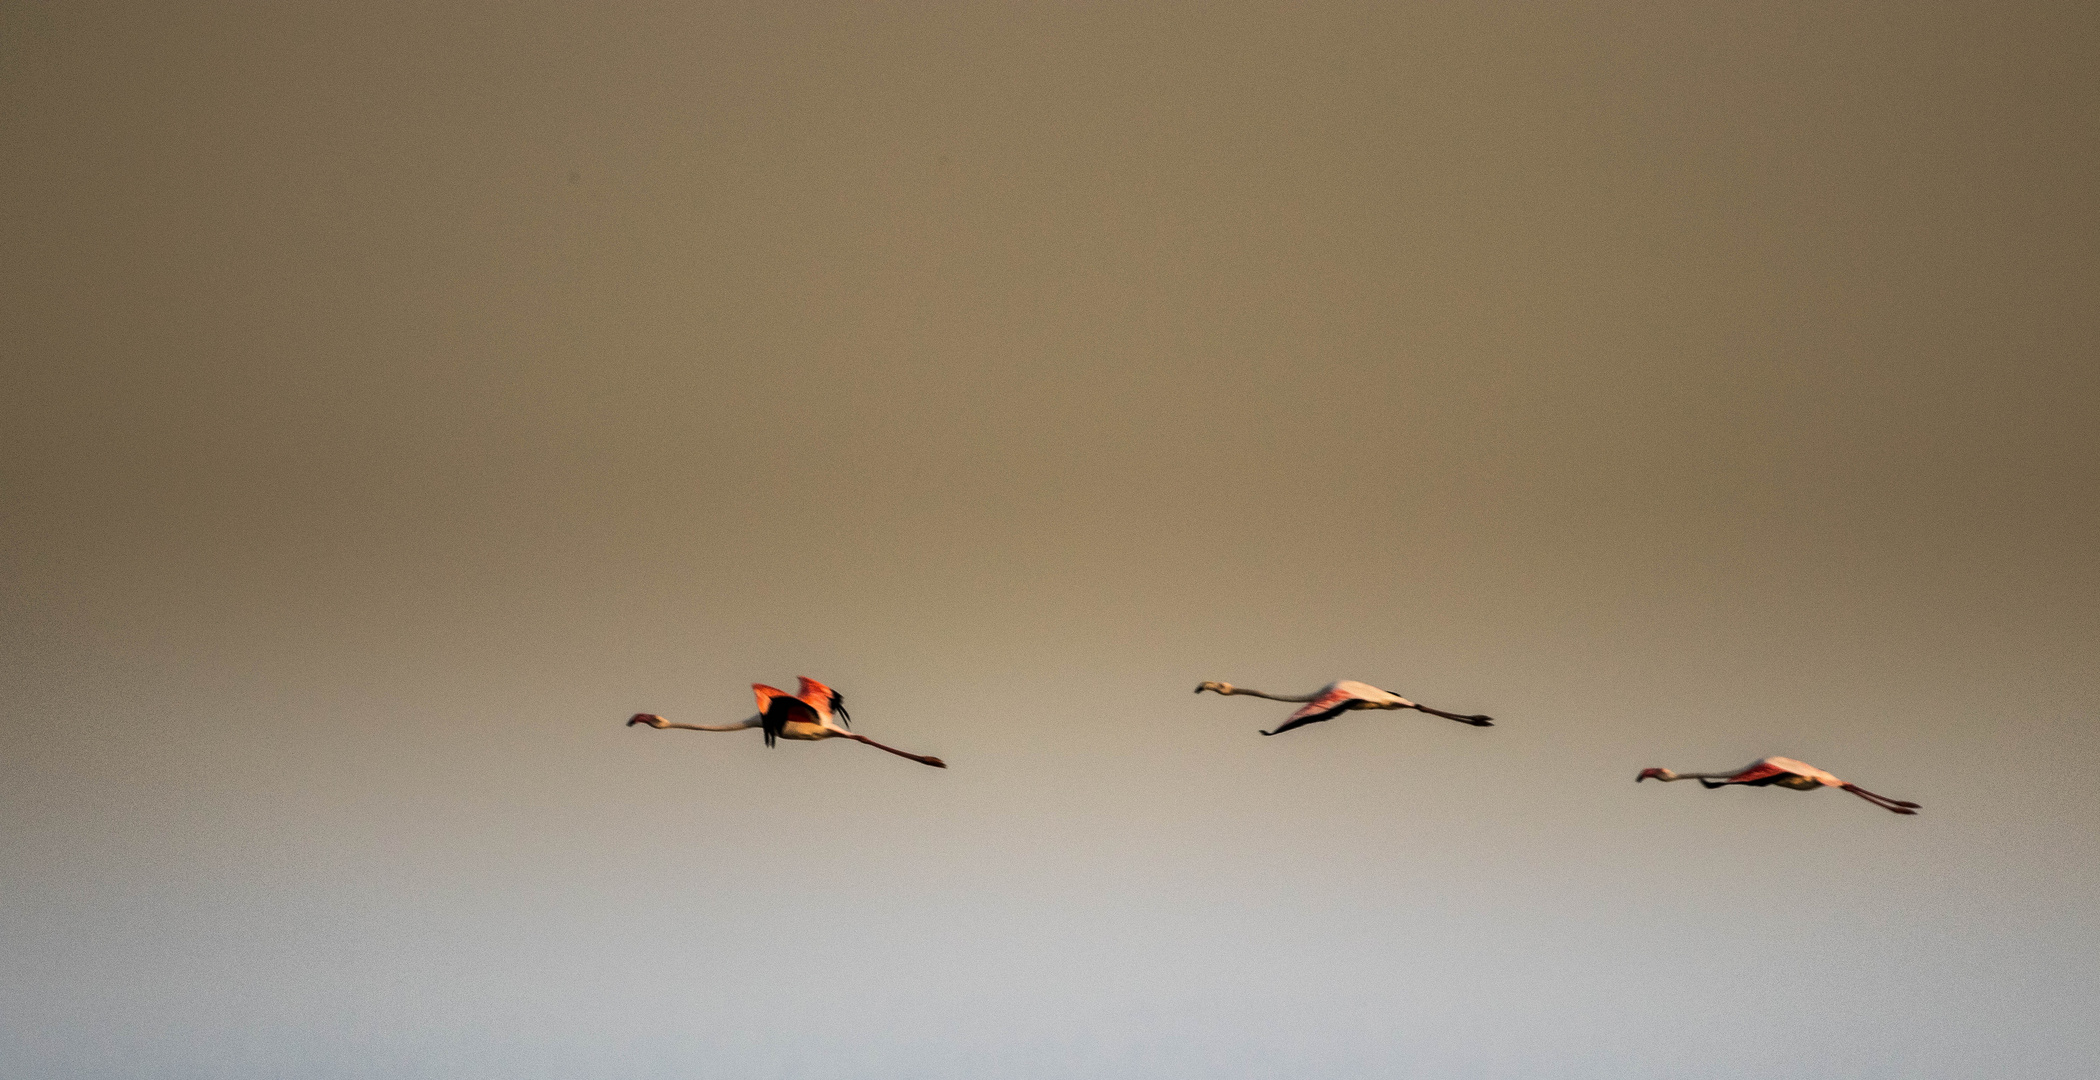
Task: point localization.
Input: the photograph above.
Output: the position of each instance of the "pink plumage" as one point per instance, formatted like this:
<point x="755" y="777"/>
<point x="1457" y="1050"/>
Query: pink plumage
<point x="1780" y="772"/>
<point x="1337" y="698"/>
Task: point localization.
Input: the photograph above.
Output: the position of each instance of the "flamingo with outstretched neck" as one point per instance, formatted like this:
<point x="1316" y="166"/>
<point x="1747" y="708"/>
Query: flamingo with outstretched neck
<point x="1780" y="772"/>
<point x="1337" y="698"/>
<point x="817" y="712"/>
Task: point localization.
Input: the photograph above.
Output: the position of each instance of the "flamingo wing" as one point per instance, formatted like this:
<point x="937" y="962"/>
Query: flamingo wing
<point x="826" y="701"/>
<point x="1332" y="702"/>
<point x="777" y="707"/>
<point x="1803" y="770"/>
<point x="1768" y="771"/>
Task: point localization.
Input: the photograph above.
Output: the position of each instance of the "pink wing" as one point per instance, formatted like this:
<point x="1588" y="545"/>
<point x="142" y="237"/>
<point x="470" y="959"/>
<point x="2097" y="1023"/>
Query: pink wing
<point x="815" y="693"/>
<point x="1759" y="771"/>
<point x="1326" y="702"/>
<point x="829" y="703"/>
<point x="766" y="694"/>
<point x="1331" y="703"/>
<point x="776" y="708"/>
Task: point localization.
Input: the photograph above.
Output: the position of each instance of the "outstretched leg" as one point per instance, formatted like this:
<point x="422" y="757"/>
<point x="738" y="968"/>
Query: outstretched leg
<point x="923" y="760"/>
<point x="1894" y="806"/>
<point x="1476" y="721"/>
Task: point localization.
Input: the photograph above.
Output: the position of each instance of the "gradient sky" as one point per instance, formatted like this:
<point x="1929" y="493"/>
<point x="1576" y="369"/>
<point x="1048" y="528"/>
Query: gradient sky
<point x="395" y="397"/>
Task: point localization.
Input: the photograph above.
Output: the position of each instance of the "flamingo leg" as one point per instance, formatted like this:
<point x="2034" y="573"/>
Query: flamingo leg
<point x="933" y="761"/>
<point x="1893" y="806"/>
<point x="1883" y="798"/>
<point x="1476" y="721"/>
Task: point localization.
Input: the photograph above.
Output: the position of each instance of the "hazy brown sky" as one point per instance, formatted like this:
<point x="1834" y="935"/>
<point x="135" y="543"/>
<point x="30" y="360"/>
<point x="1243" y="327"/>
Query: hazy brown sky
<point x="394" y="398"/>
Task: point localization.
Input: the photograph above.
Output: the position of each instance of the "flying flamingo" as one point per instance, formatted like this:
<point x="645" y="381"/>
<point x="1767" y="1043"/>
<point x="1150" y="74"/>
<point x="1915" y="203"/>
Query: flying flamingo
<point x="818" y="712"/>
<point x="1785" y="772"/>
<point x="1338" y="698"/>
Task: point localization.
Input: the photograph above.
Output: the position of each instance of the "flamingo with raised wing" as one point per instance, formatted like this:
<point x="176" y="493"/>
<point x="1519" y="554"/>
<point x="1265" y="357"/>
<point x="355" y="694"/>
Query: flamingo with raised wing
<point x="817" y="712"/>
<point x="1780" y="772"/>
<point x="1336" y="699"/>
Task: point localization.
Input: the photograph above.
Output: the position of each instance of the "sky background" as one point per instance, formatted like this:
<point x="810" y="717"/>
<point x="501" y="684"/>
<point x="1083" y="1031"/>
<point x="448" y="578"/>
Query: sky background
<point x="394" y="397"/>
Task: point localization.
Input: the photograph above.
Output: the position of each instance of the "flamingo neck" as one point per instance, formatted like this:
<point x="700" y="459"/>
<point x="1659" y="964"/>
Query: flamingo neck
<point x="1300" y="698"/>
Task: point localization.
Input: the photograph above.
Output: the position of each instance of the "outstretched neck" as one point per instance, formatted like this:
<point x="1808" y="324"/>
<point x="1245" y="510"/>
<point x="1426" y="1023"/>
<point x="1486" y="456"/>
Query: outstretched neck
<point x="1667" y="776"/>
<point x="661" y="724"/>
<point x="1228" y="688"/>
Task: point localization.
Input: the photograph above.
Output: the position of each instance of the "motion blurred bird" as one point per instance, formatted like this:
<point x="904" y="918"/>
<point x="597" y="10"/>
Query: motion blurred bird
<point x="1336" y="699"/>
<point x="1783" y="772"/>
<point x="818" y="712"/>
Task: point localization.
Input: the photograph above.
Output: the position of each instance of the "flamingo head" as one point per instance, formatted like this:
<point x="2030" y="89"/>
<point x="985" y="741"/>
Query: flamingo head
<point x="1655" y="774"/>
<point x="650" y="719"/>
<point x="1215" y="687"/>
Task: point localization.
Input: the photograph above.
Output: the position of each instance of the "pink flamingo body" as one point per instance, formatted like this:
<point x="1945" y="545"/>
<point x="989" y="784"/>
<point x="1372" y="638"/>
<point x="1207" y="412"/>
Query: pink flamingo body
<point x="817" y="712"/>
<point x="1337" y="698"/>
<point x="1780" y="772"/>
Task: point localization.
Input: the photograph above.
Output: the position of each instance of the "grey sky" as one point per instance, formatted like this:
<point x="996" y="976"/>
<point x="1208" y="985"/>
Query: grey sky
<point x="396" y="399"/>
